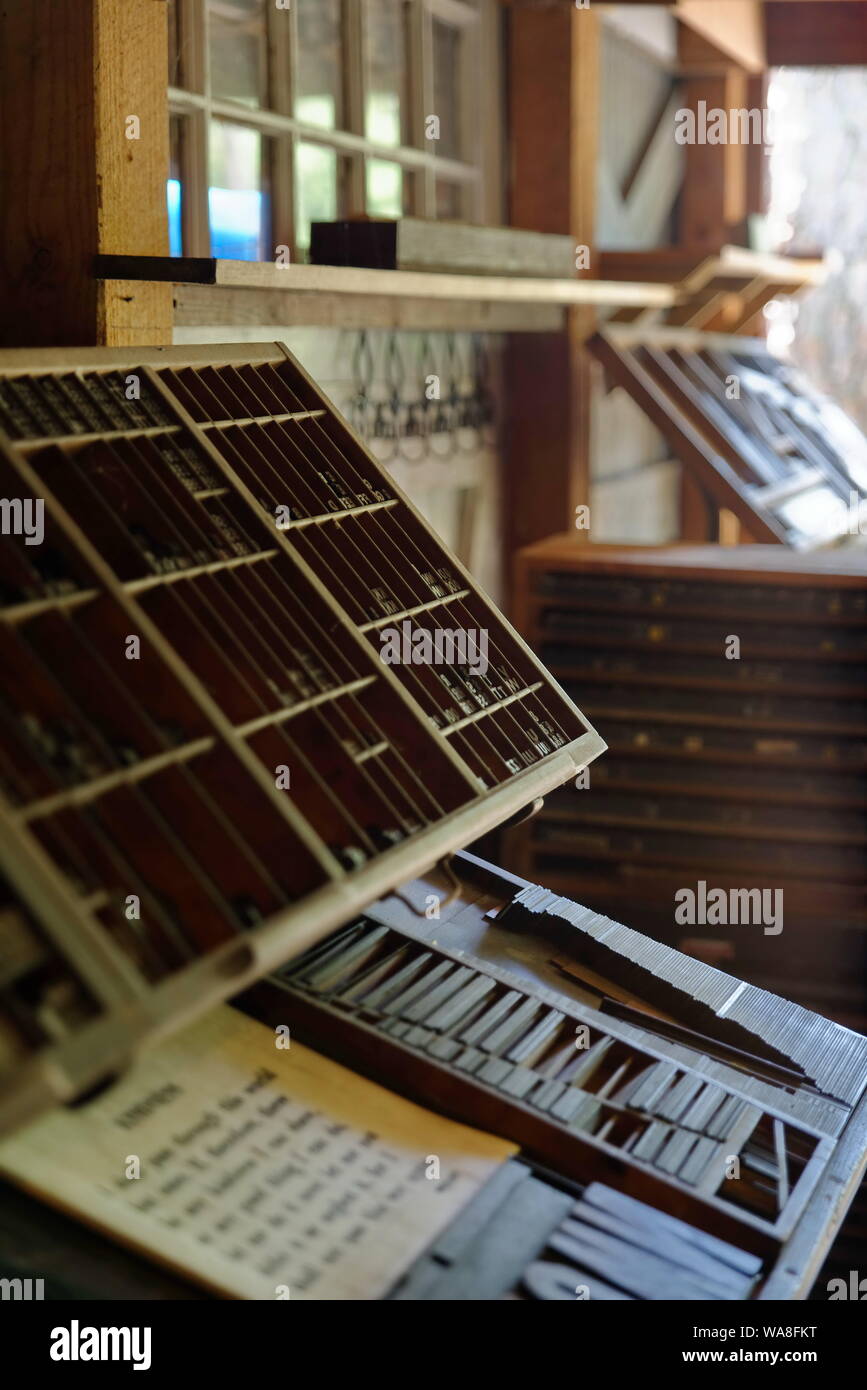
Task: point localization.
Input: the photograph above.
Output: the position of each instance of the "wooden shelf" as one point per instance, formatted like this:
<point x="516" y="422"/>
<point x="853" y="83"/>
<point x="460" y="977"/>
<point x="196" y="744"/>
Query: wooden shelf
<point x="723" y="290"/>
<point x="210" y="292"/>
<point x="670" y="264"/>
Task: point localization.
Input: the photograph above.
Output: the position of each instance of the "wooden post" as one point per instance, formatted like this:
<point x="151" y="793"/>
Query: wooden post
<point x="713" y="205"/>
<point x="554" y="120"/>
<point x="83" y="167"/>
<point x="715" y="198"/>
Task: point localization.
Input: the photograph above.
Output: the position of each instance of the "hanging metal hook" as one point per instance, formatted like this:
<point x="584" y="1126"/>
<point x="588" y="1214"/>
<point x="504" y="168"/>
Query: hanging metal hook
<point x="486" y="405"/>
<point x="441" y="423"/>
<point x="467" y="421"/>
<point x="362" y="381"/>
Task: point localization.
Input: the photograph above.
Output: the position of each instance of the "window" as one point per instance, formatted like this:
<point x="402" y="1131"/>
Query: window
<point x="238" y="51"/>
<point x="319" y="88"/>
<point x="238" y="204"/>
<point x="386" y="94"/>
<point x="285" y="112"/>
<point x="173" y="189"/>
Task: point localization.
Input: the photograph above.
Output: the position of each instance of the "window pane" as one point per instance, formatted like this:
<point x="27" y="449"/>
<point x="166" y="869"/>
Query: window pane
<point x="386" y="104"/>
<point x="174" y="201"/>
<point x="318" y="67"/>
<point x="174" y="189"/>
<point x="238" y="201"/>
<point x="384" y="188"/>
<point x="238" y="51"/>
<point x="447" y="88"/>
<point x="315" y="189"/>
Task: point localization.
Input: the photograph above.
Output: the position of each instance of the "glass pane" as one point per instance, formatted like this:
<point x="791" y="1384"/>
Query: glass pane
<point x="238" y="51"/>
<point x="318" y="67"/>
<point x="174" y="189"/>
<point x="450" y="201"/>
<point x="315" y="189"/>
<point x="238" y="202"/>
<point x="385" y="43"/>
<point x="447" y="88"/>
<point x="384" y="188"/>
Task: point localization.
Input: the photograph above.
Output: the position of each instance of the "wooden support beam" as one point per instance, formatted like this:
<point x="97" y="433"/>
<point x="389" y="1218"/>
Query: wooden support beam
<point x="816" y="33"/>
<point x="554" y="121"/>
<point x="75" y="77"/>
<point x="733" y="26"/>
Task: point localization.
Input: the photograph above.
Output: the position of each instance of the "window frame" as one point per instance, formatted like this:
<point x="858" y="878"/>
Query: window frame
<point x="477" y="175"/>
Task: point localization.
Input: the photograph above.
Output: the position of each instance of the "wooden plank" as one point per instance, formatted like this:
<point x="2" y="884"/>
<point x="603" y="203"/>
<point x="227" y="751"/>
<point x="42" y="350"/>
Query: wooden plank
<point x="747" y="310"/>
<point x="187" y="270"/>
<point x="72" y="77"/>
<point x="814" y="33"/>
<point x="806" y="270"/>
<point x="421" y="284"/>
<point x="358" y="280"/>
<point x="734" y="27"/>
<point x="415" y="243"/>
<point x="690" y="268"/>
<point x="845" y="568"/>
<point x="216" y="311"/>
